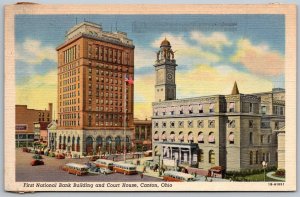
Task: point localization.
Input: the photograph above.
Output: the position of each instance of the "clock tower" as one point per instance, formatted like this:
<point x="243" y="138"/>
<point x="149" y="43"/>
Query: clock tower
<point x="165" y="66"/>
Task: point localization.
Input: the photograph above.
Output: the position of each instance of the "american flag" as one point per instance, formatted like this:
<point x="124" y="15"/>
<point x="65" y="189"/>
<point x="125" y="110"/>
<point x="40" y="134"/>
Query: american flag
<point x="128" y="79"/>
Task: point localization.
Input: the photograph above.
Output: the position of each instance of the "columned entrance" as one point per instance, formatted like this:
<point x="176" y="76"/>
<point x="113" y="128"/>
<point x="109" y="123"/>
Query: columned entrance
<point x="174" y="154"/>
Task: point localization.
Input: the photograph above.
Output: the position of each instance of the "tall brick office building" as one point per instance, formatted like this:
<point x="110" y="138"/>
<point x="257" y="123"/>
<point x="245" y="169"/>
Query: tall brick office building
<point x="92" y="65"/>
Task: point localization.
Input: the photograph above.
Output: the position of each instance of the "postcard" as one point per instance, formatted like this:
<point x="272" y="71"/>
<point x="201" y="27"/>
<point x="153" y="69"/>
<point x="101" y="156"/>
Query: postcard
<point x="150" y="97"/>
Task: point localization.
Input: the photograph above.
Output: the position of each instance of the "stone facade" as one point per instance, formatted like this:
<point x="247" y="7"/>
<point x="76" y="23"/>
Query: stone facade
<point x="234" y="131"/>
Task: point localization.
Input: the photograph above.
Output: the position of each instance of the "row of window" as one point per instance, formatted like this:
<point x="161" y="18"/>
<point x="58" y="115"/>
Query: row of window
<point x="107" y="54"/>
<point x="200" y="124"/>
<point x="262" y="138"/>
<point x="70" y="54"/>
<point x="68" y="67"/>
<point x="190" y="138"/>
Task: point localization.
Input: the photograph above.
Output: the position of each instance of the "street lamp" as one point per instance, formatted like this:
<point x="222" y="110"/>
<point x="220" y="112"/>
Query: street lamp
<point x="264" y="165"/>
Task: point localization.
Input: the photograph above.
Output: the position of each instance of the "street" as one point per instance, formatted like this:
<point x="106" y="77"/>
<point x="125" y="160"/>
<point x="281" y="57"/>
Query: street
<point x="51" y="172"/>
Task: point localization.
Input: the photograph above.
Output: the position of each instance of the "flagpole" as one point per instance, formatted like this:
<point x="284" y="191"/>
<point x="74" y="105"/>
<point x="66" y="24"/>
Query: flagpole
<point x="124" y="123"/>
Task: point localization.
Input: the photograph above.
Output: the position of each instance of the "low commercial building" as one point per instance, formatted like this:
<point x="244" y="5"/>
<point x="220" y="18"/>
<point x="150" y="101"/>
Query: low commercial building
<point x="28" y="123"/>
<point x="142" y="134"/>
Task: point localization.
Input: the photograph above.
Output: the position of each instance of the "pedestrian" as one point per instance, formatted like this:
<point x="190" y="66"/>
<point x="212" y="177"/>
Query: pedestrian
<point x="142" y="175"/>
<point x="206" y="178"/>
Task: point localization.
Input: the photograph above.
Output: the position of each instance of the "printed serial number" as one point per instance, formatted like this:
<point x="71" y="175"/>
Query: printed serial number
<point x="276" y="184"/>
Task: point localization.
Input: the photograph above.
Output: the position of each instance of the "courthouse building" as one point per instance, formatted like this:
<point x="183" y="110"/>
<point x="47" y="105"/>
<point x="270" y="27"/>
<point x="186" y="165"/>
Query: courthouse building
<point x="92" y="65"/>
<point x="28" y="123"/>
<point x="235" y="131"/>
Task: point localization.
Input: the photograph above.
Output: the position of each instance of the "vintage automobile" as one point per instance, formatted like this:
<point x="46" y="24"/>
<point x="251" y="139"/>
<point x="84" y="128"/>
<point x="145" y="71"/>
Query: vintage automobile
<point x="94" y="158"/>
<point x="124" y="168"/>
<point x="36" y="162"/>
<point x="94" y="170"/>
<point x="77" y="169"/>
<point x="37" y="156"/>
<point x="174" y="176"/>
<point x="105" y="171"/>
<point x="60" y="156"/>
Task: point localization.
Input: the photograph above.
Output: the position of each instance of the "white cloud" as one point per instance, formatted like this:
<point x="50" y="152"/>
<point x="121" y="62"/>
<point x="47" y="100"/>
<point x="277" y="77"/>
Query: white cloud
<point x="259" y="59"/>
<point x="216" y="40"/>
<point x="34" y="52"/>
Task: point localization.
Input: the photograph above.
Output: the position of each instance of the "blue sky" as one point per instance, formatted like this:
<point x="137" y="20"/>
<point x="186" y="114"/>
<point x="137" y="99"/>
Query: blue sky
<point x="246" y="48"/>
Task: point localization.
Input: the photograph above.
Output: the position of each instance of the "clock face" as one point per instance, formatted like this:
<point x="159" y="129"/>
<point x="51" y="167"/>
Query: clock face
<point x="170" y="76"/>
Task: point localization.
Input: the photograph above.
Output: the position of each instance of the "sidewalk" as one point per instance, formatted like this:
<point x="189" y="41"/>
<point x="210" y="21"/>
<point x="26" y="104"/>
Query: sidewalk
<point x="269" y="174"/>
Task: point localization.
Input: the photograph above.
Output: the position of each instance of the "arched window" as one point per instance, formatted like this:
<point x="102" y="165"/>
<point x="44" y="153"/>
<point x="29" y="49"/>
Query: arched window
<point x="155" y="151"/>
<point x="164" y="136"/>
<point x="250" y="138"/>
<point x="59" y="145"/>
<point x="231" y="138"/>
<point x="256" y="157"/>
<point x="172" y="136"/>
<point x="78" y="144"/>
<point x="211" y="138"/>
<point x="64" y="143"/>
<point x="89" y="145"/>
<point x="181" y="136"/>
<point x="156" y="136"/>
<point x="118" y="143"/>
<point x="108" y="142"/>
<point x="211" y="157"/>
<point x="200" y="137"/>
<point x="73" y="143"/>
<point x="190" y="137"/>
<point x="251" y="157"/>
<point x="201" y="155"/>
<point x="99" y="143"/>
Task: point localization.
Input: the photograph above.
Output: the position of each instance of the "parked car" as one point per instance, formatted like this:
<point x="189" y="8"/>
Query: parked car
<point x="46" y="153"/>
<point x="94" y="158"/>
<point x="94" y="170"/>
<point x="36" y="162"/>
<point x="37" y="156"/>
<point x="105" y="171"/>
<point x="60" y="156"/>
<point x="25" y="149"/>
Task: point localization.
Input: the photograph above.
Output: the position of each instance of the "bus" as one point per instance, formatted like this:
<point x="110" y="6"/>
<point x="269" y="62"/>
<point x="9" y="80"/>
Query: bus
<point x="77" y="169"/>
<point x="104" y="163"/>
<point x="124" y="168"/>
<point x="174" y="176"/>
